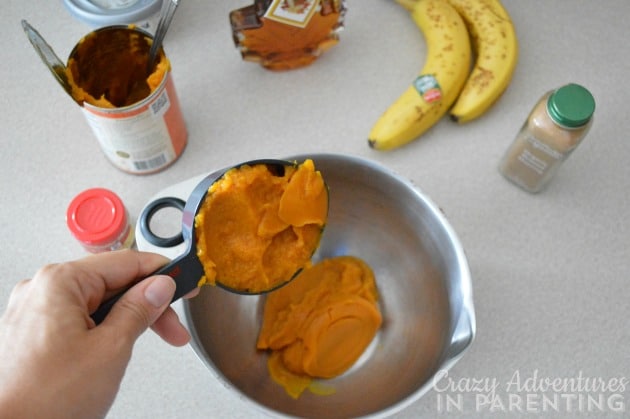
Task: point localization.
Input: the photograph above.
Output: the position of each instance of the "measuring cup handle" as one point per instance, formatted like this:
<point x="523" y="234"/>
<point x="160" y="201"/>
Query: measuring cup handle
<point x="186" y="270"/>
<point x="148" y="213"/>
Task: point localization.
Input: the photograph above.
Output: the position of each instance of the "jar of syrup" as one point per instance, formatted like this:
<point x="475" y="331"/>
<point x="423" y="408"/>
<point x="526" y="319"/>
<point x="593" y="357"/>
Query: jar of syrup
<point x="287" y="34"/>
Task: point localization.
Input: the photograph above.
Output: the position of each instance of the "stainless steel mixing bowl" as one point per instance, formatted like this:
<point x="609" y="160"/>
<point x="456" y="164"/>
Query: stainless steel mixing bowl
<point x="424" y="289"/>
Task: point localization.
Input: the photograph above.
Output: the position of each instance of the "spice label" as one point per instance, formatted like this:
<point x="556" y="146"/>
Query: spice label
<point x="545" y="148"/>
<point x="428" y="87"/>
<point x="292" y="12"/>
<point x="538" y="156"/>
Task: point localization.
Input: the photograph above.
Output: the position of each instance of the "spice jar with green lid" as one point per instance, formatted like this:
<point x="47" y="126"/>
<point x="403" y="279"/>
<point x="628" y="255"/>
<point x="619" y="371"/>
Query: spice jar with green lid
<point x="554" y="128"/>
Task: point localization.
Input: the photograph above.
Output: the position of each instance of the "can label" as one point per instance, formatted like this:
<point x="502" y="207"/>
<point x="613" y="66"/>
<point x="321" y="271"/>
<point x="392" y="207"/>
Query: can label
<point x="144" y="137"/>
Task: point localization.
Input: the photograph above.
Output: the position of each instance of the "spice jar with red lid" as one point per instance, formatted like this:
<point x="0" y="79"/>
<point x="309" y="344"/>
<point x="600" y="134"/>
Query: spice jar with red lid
<point x="97" y="218"/>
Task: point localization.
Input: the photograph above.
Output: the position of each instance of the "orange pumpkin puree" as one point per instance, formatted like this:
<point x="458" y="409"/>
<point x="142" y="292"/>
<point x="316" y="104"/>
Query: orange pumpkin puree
<point x="318" y="325"/>
<point x="108" y="68"/>
<point x="256" y="229"/>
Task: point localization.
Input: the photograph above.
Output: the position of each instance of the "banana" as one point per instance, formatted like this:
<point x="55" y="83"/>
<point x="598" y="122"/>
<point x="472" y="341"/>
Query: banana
<point x="496" y="48"/>
<point x="444" y="73"/>
<point x="407" y="4"/>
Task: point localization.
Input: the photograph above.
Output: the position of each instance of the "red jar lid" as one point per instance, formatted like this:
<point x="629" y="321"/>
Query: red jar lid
<point x="96" y="216"/>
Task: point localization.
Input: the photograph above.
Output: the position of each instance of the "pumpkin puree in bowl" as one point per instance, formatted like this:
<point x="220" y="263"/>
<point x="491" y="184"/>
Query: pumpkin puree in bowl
<point x="318" y="325"/>
<point x="256" y="228"/>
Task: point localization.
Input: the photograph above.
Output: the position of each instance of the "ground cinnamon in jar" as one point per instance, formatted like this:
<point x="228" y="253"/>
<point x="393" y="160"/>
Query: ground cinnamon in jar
<point x="554" y="128"/>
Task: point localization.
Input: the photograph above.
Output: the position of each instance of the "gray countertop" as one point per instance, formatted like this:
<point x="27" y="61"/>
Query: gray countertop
<point x="550" y="271"/>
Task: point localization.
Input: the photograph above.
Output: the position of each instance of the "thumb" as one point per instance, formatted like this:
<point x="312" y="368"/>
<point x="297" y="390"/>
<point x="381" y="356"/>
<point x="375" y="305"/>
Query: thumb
<point x="141" y="305"/>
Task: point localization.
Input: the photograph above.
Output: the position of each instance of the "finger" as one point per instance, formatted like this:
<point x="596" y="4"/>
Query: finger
<point x="192" y="293"/>
<point x="170" y="329"/>
<point x="101" y="276"/>
<point x="15" y="298"/>
<point x="19" y="288"/>
<point x="140" y="307"/>
<point x="117" y="268"/>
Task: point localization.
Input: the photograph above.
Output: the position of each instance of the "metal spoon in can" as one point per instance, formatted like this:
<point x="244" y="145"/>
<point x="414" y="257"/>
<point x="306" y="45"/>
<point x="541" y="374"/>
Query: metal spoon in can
<point x="48" y="56"/>
<point x="166" y="16"/>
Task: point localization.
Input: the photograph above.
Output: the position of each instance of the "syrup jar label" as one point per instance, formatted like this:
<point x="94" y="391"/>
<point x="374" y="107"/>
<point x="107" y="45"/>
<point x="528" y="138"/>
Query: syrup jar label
<point x="292" y="12"/>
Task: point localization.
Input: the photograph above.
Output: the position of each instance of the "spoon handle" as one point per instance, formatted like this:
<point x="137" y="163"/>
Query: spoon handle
<point x="166" y="16"/>
<point x="186" y="270"/>
<point x="48" y="56"/>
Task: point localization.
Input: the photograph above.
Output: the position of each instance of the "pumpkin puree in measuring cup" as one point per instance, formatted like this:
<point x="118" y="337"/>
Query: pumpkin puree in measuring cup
<point x="318" y="325"/>
<point x="108" y="68"/>
<point x="256" y="229"/>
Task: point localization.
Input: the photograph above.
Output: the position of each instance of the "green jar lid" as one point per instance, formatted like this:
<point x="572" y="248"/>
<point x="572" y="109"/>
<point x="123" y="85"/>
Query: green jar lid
<point x="571" y="105"/>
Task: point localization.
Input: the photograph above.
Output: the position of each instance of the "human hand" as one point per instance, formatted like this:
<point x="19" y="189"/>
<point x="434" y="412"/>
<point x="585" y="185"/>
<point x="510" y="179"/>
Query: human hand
<point x="55" y="362"/>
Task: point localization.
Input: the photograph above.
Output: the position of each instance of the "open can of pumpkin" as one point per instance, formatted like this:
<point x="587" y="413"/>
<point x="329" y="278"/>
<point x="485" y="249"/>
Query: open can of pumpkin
<point x="133" y="110"/>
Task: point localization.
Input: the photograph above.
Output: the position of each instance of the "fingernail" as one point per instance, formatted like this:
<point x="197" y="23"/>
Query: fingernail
<point x="160" y="291"/>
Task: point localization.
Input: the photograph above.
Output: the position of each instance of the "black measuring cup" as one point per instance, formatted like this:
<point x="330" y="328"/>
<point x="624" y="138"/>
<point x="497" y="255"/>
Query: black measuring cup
<point x="186" y="269"/>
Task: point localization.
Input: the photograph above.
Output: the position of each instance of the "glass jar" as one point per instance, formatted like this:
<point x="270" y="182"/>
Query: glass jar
<point x="287" y="34"/>
<point x="97" y="13"/>
<point x="98" y="219"/>
<point x="554" y="128"/>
